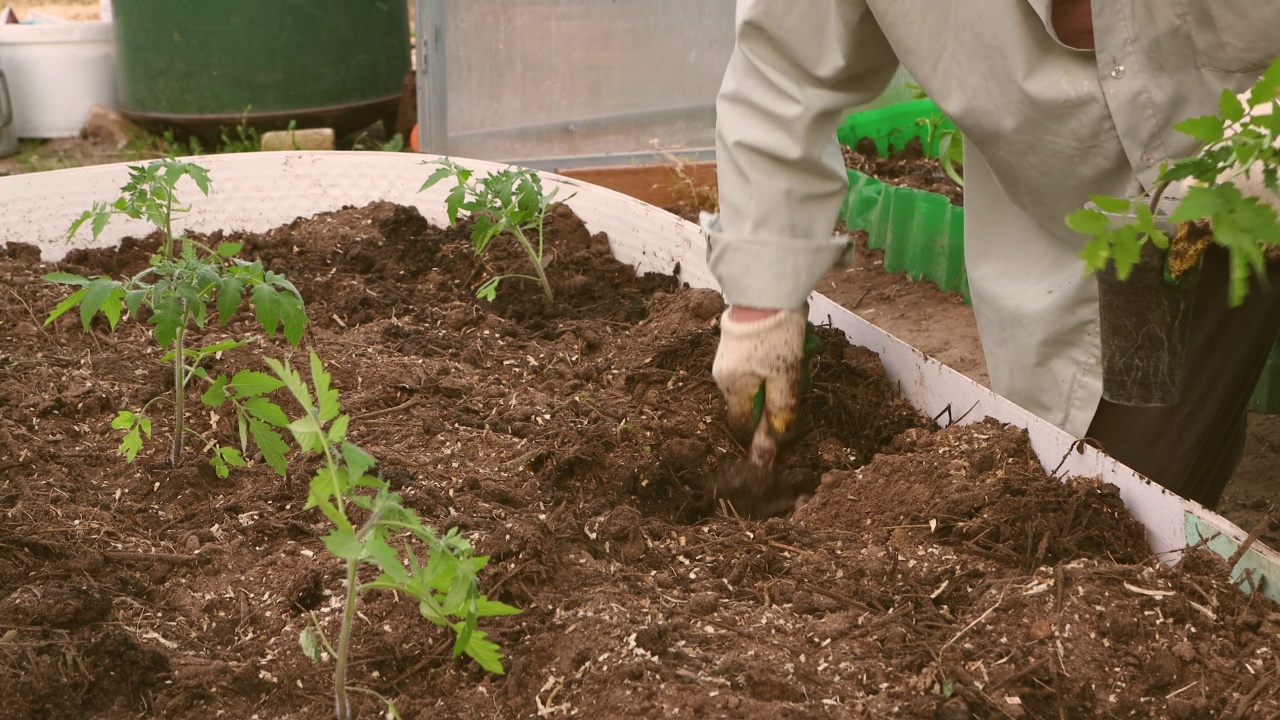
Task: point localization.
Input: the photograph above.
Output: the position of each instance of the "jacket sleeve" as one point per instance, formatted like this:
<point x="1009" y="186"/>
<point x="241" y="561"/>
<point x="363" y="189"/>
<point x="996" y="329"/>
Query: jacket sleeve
<point x="795" y="70"/>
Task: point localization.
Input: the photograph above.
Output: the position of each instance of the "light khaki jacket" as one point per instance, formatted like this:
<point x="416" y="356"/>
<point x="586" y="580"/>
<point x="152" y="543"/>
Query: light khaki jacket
<point x="1045" y="126"/>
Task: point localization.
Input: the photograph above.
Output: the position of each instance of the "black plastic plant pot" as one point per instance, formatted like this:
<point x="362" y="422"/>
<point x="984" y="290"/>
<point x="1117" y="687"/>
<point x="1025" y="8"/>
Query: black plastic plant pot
<point x="1144" y="325"/>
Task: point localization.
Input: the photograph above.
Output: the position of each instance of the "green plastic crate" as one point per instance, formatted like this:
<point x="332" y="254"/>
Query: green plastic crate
<point x="921" y="233"/>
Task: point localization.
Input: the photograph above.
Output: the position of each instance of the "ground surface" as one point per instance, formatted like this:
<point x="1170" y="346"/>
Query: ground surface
<point x="934" y="573"/>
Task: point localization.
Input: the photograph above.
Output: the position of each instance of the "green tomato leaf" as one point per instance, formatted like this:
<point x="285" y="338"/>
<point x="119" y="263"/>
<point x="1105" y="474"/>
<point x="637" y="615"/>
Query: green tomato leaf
<point x="1088" y="222"/>
<point x="96" y="295"/>
<point x="1230" y="107"/>
<point x="66" y="278"/>
<point x="271" y="444"/>
<point x="71" y="301"/>
<point x="229" y="297"/>
<point x="338" y="431"/>
<point x="1125" y="251"/>
<point x="436" y="177"/>
<point x="342" y="543"/>
<point x="326" y="397"/>
<point x="310" y="646"/>
<point x="492" y="608"/>
<point x="489" y="291"/>
<point x="1113" y="205"/>
<point x="385" y="557"/>
<point x="1205" y="129"/>
<point x="1200" y="202"/>
<point x="216" y="394"/>
<point x="250" y="383"/>
<point x="266" y="411"/>
<point x="123" y="420"/>
<point x="487" y="654"/>
<point x="357" y="461"/>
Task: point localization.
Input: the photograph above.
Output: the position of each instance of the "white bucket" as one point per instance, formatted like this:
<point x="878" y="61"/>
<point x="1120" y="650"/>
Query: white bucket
<point x="56" y="72"/>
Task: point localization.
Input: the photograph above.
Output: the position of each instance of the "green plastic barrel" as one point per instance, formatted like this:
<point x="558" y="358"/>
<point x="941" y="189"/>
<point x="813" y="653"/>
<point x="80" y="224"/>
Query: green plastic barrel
<point x="339" y="63"/>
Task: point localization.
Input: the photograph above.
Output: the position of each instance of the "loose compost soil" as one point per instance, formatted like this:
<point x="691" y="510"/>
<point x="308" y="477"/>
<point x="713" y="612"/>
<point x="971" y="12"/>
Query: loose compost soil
<point x="904" y="167"/>
<point x="928" y="572"/>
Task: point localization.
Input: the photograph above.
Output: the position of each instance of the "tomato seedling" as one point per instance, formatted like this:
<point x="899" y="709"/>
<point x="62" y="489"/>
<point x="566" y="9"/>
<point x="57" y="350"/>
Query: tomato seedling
<point x="445" y="585"/>
<point x="509" y="200"/>
<point x="177" y="290"/>
<point x="1238" y="143"/>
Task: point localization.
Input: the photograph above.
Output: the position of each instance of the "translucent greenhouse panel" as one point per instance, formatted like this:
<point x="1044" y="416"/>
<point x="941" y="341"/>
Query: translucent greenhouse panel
<point x="567" y="78"/>
<point x="562" y="82"/>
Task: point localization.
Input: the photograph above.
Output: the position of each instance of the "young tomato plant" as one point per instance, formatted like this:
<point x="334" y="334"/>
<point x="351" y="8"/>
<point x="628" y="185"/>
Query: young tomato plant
<point x="508" y="200"/>
<point x="177" y="290"/>
<point x="445" y="585"/>
<point x="1237" y="158"/>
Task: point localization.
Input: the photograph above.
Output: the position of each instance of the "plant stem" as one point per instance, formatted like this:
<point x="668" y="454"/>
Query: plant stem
<point x="535" y="256"/>
<point x="179" y="382"/>
<point x="1156" y="195"/>
<point x="342" y="705"/>
<point x="168" y="226"/>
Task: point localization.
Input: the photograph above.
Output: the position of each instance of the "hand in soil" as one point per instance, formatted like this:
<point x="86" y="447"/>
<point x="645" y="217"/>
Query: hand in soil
<point x="750" y="490"/>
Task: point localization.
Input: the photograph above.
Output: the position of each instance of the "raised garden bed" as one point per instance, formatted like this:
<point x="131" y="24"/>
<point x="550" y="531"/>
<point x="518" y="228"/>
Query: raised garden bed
<point x="936" y="572"/>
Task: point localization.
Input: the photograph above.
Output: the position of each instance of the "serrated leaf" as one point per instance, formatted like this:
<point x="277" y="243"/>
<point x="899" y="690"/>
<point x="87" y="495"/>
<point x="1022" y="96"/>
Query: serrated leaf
<point x="1205" y="129"/>
<point x="1200" y="202"/>
<point x="229" y="297"/>
<point x="216" y="394"/>
<point x="228" y="250"/>
<point x="266" y="307"/>
<point x="487" y="654"/>
<point x="489" y="291"/>
<point x="251" y="383"/>
<point x="493" y="608"/>
<point x="1088" y="222"/>
<point x="436" y="177"/>
<point x="167" y="318"/>
<point x="1125" y="251"/>
<point x="1230" y="107"/>
<point x="95" y="297"/>
<point x="220" y="346"/>
<point x="338" y="431"/>
<point x="326" y="397"/>
<point x="133" y="300"/>
<point x="61" y="309"/>
<point x="293" y="381"/>
<point x="130" y="444"/>
<point x="1113" y="205"/>
<point x="66" y="278"/>
<point x="357" y="461"/>
<point x="219" y="466"/>
<point x="266" y="411"/>
<point x="385" y="557"/>
<point x="342" y="544"/>
<point x="272" y="445"/>
<point x="310" y="646"/>
<point x="231" y="456"/>
<point x="124" y="420"/>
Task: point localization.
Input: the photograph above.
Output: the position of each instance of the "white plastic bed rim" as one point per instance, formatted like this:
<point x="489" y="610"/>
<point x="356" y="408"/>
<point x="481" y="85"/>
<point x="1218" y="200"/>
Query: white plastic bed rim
<point x="260" y="191"/>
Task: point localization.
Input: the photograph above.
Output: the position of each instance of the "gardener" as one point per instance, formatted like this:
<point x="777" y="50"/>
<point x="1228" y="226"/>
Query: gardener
<point x="1056" y="101"/>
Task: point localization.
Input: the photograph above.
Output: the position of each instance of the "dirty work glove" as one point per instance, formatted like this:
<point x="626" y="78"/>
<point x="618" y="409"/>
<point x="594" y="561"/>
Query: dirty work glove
<point x="769" y="352"/>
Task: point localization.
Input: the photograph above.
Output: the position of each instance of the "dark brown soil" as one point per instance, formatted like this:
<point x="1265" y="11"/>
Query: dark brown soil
<point x="934" y="573"/>
<point x="908" y="167"/>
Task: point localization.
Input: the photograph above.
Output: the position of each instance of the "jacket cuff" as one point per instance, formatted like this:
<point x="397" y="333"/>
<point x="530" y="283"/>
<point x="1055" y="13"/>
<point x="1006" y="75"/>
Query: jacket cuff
<point x="770" y="272"/>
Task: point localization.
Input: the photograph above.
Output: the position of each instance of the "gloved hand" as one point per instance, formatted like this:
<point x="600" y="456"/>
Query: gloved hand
<point x="768" y="351"/>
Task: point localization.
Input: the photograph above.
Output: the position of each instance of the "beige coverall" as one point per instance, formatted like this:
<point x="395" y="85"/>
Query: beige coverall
<point x="1045" y="126"/>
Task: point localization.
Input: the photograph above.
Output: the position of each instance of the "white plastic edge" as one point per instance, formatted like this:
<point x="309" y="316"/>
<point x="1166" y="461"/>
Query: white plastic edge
<point x="259" y="191"/>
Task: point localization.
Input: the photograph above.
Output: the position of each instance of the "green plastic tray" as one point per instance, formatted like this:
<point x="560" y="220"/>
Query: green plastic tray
<point x="921" y="233"/>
